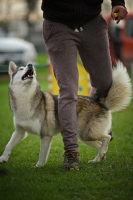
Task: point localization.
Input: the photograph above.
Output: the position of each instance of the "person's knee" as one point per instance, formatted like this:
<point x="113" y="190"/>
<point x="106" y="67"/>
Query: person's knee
<point x="69" y="94"/>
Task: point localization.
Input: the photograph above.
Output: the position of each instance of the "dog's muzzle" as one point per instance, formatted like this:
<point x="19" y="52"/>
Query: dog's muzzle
<point x="29" y="72"/>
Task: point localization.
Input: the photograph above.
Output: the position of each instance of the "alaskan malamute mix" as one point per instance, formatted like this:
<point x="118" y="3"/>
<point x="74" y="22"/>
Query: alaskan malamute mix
<point x="36" y="112"/>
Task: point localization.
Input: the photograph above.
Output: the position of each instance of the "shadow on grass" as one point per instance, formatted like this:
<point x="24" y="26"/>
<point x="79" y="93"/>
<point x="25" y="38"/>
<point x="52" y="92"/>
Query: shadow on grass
<point x="3" y="172"/>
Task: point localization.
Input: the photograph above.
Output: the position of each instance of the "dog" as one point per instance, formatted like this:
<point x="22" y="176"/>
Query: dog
<point x="36" y="111"/>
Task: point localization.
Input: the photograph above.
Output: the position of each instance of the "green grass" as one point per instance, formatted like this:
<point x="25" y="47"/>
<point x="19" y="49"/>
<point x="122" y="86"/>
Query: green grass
<point x="42" y="58"/>
<point x="111" y="179"/>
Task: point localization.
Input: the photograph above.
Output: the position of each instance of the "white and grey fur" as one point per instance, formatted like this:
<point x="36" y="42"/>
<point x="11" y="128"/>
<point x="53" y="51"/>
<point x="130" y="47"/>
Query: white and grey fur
<point x="36" y="112"/>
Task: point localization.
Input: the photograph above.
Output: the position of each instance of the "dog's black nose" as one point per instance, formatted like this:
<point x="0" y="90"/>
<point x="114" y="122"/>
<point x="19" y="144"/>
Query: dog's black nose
<point x="30" y="65"/>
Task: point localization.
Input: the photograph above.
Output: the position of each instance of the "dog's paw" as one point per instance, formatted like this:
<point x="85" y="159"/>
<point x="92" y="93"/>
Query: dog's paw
<point x="93" y="161"/>
<point x="98" y="158"/>
<point x="38" y="164"/>
<point x="3" y="159"/>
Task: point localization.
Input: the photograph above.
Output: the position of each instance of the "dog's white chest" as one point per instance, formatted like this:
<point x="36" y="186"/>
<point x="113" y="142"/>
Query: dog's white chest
<point x="26" y="118"/>
<point x="32" y="126"/>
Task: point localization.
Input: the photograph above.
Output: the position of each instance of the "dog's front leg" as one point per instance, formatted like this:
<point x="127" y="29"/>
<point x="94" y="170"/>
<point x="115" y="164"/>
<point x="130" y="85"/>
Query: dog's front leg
<point x="15" y="138"/>
<point x="44" y="150"/>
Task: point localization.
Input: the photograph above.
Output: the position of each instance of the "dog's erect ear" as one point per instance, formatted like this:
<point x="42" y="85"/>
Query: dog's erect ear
<point x="12" y="67"/>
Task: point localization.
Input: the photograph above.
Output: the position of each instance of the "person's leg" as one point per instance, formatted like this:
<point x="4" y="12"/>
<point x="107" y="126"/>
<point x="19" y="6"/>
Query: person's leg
<point x="62" y="51"/>
<point x="94" y="52"/>
<point x="65" y="70"/>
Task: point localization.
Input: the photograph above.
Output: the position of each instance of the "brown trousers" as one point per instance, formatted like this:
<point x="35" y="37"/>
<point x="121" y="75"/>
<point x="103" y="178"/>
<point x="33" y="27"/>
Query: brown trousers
<point x="62" y="44"/>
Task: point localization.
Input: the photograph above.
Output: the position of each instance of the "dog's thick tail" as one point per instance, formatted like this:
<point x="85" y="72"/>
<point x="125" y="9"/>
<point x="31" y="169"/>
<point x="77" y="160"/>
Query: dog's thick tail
<point x="120" y="93"/>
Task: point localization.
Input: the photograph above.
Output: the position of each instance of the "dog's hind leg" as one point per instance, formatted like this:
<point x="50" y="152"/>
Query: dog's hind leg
<point x="44" y="150"/>
<point x="102" y="151"/>
<point x="96" y="144"/>
<point x="16" y="137"/>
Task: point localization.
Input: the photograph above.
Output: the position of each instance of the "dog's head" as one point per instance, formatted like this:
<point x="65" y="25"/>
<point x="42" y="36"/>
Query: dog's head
<point x="21" y="75"/>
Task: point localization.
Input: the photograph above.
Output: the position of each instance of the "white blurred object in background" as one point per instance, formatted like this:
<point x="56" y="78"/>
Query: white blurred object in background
<point x="17" y="50"/>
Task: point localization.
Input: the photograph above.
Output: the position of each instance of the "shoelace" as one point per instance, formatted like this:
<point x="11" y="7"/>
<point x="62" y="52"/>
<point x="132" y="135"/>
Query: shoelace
<point x="70" y="156"/>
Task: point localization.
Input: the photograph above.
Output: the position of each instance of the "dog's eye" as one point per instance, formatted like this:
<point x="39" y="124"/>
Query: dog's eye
<point x="20" y="68"/>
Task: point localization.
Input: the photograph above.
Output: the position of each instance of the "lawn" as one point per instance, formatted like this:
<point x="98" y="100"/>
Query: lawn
<point x="112" y="179"/>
